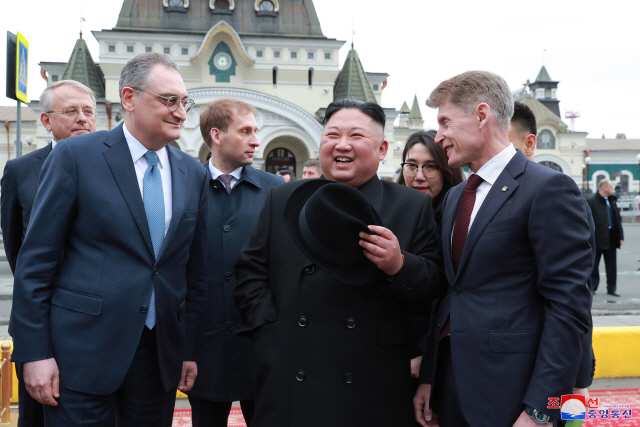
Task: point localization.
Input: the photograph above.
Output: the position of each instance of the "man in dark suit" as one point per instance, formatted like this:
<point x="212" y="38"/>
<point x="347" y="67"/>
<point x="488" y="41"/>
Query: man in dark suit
<point x="329" y="352"/>
<point x="237" y="192"/>
<point x="68" y="109"/>
<point x="609" y="235"/>
<point x="111" y="278"/>
<point x="517" y="259"/>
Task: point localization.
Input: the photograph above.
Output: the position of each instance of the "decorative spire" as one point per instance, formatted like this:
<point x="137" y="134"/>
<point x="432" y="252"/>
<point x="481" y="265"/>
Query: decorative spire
<point x="352" y="82"/>
<point x="81" y="68"/>
<point x="415" y="109"/>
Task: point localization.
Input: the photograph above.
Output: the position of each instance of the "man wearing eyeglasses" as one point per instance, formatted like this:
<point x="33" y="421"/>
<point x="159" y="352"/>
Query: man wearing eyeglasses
<point x="68" y="109"/>
<point x="110" y="282"/>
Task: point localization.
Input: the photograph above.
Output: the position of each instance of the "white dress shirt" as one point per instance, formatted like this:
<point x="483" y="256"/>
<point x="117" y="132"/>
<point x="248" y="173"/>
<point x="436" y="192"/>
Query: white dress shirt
<point x="140" y="164"/>
<point x="489" y="172"/>
<point x="215" y="174"/>
<point x="53" y="143"/>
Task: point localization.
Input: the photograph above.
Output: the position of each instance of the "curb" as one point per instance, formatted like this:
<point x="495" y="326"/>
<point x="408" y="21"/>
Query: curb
<point x="616" y="349"/>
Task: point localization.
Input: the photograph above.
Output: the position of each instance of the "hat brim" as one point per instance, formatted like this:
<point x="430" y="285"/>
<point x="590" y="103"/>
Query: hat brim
<point x="361" y="273"/>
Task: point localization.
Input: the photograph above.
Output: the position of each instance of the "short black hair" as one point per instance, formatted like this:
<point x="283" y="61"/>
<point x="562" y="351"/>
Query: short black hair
<point x="285" y="171"/>
<point x="371" y="109"/>
<point x="523" y="118"/>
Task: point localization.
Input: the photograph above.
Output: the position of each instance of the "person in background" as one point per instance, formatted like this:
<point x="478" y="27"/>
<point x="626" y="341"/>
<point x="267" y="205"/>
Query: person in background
<point x="237" y="192"/>
<point x="68" y="109"/>
<point x="287" y="174"/>
<point x="311" y="169"/>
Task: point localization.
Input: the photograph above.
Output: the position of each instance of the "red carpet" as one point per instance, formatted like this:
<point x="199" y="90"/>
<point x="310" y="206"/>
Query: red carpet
<point x="631" y="397"/>
<point x="182" y="418"/>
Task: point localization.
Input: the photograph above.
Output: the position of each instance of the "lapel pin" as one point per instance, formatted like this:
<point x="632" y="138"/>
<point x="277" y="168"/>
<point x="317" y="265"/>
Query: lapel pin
<point x="505" y="188"/>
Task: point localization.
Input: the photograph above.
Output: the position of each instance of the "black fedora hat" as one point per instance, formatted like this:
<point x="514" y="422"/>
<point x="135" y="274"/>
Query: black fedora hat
<point x="325" y="219"/>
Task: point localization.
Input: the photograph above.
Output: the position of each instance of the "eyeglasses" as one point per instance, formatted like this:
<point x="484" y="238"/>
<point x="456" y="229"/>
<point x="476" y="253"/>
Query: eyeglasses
<point x="72" y="113"/>
<point x="173" y="101"/>
<point x="411" y="169"/>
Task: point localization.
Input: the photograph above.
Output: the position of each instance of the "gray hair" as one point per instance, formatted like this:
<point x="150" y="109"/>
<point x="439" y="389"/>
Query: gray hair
<point x="468" y="90"/>
<point x="136" y="72"/>
<point x="46" y="98"/>
<point x="313" y="162"/>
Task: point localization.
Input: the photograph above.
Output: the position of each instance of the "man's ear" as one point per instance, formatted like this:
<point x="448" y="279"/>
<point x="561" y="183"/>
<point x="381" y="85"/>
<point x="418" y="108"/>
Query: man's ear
<point x="127" y="99"/>
<point x="384" y="146"/>
<point x="44" y="118"/>
<point x="215" y="136"/>
<point x="530" y="146"/>
<point x="483" y="112"/>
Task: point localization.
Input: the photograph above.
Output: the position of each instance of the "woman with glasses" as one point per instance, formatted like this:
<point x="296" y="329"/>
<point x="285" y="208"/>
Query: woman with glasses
<point x="425" y="167"/>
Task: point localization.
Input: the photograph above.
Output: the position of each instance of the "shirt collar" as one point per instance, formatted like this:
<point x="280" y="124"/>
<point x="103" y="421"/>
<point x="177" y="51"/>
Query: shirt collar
<point x="491" y="170"/>
<point x="53" y="143"/>
<point x="215" y="172"/>
<point x="138" y="150"/>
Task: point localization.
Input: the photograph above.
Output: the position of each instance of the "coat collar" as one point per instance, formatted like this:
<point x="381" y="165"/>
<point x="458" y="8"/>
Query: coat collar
<point x="373" y="190"/>
<point x="41" y="155"/>
<point x="249" y="175"/>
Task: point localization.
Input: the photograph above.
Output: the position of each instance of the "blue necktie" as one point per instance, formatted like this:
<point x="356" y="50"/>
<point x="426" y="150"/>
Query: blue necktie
<point x="609" y="212"/>
<point x="153" y="198"/>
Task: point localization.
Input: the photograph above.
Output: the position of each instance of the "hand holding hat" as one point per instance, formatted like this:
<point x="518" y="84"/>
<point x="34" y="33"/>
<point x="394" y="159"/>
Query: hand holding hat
<point x="383" y="249"/>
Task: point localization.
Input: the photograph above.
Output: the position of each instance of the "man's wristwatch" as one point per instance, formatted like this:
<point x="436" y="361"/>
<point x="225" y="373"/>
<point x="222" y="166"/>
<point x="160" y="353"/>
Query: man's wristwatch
<point x="537" y="416"/>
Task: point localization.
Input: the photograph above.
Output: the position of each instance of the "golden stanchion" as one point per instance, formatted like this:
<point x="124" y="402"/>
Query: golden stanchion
<point x="7" y="377"/>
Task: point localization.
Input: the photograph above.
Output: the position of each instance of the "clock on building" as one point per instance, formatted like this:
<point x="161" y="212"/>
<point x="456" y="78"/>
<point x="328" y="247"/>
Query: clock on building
<point x="222" y="61"/>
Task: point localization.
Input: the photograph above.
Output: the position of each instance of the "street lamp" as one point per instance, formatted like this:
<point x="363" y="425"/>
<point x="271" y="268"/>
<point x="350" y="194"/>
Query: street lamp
<point x="584" y="174"/>
<point x="587" y="160"/>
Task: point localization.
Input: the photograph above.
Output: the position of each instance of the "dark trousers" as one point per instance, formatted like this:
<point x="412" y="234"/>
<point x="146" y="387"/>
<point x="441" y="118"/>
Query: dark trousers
<point x="30" y="411"/>
<point x="140" y="401"/>
<point x="446" y="402"/>
<point x="206" y="413"/>
<point x="610" y="267"/>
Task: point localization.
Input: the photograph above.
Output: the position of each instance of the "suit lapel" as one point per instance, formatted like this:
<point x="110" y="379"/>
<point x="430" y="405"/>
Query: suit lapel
<point x="492" y="203"/>
<point x="450" y="208"/>
<point x="40" y="158"/>
<point x="119" y="159"/>
<point x="178" y="191"/>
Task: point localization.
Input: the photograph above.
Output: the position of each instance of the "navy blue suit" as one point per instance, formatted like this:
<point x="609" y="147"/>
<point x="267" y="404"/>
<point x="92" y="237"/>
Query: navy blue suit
<point x="519" y="295"/>
<point x="19" y="188"/>
<point x="227" y="373"/>
<point x="89" y="225"/>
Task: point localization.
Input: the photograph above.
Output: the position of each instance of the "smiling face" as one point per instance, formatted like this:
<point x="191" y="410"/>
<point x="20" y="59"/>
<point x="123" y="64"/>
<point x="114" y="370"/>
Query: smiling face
<point x="459" y="134"/>
<point x="237" y="146"/>
<point x="61" y="126"/>
<point x="148" y="118"/>
<point x="420" y="155"/>
<point x="351" y="147"/>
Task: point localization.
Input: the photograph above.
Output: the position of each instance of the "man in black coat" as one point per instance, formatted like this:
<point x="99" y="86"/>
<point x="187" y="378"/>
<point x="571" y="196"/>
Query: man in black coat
<point x="68" y="109"/>
<point x="237" y="192"/>
<point x="609" y="234"/>
<point x="328" y="352"/>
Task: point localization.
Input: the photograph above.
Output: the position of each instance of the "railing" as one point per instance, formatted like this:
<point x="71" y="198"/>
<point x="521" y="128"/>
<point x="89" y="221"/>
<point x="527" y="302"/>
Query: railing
<point x="5" y="391"/>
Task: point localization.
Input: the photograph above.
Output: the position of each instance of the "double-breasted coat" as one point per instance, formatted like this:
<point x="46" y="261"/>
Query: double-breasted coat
<point x="327" y="353"/>
<point x="226" y="371"/>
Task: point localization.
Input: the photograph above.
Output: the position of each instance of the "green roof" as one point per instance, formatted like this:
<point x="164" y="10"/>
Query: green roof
<point x="81" y="68"/>
<point x="352" y="82"/>
<point x="540" y="110"/>
<point x="405" y="108"/>
<point x="543" y="75"/>
<point x="415" y="109"/>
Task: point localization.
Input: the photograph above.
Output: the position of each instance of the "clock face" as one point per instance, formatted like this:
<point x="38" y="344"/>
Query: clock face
<point x="222" y="61"/>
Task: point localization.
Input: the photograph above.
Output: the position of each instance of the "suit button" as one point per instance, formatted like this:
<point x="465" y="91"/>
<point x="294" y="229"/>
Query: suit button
<point x="144" y="309"/>
<point x="456" y="290"/>
<point x="302" y="321"/>
<point x="348" y="378"/>
<point x="155" y="271"/>
<point x="227" y="227"/>
<point x="230" y="326"/>
<point x="300" y="375"/>
<point x="309" y="269"/>
<point x="351" y="323"/>
<point x="227" y="275"/>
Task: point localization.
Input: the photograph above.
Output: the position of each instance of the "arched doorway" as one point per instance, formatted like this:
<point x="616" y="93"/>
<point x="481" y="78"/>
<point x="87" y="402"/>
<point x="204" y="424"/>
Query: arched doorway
<point x="552" y="165"/>
<point x="280" y="158"/>
<point x="204" y="153"/>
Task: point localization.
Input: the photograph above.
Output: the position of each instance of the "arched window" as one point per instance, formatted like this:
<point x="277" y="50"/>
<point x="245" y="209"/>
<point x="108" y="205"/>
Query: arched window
<point x="552" y="165"/>
<point x="275" y="76"/>
<point x="546" y="140"/>
<point x="222" y="7"/>
<point x="310" y="77"/>
<point x="280" y="158"/>
<point x="221" y="4"/>
<point x="175" y="5"/>
<point x="266" y="6"/>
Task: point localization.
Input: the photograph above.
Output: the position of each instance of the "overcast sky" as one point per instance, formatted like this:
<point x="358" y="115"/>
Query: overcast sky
<point x="592" y="50"/>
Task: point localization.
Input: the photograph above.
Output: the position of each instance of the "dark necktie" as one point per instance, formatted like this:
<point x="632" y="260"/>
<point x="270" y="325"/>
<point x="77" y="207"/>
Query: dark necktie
<point x="463" y="216"/>
<point x="227" y="181"/>
<point x="461" y="229"/>
<point x="609" y="213"/>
